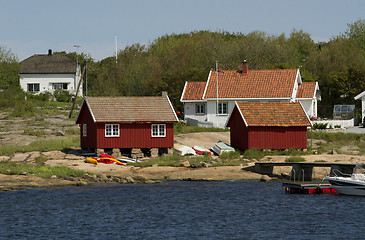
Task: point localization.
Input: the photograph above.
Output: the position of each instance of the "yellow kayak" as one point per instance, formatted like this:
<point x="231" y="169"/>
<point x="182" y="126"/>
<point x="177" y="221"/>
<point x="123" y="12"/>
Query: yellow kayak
<point x="91" y="160"/>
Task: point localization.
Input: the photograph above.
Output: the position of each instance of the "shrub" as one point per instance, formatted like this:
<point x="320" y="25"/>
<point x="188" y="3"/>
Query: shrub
<point x="253" y="153"/>
<point x="295" y="159"/>
<point x="62" y="95"/>
<point x="319" y="126"/>
<point x="230" y="155"/>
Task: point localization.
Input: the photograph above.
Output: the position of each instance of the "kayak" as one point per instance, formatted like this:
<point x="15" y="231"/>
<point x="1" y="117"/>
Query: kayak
<point x="201" y="151"/>
<point x="104" y="158"/>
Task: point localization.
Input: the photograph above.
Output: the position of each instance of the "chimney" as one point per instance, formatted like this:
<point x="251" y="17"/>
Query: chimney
<point x="164" y="94"/>
<point x="49" y="52"/>
<point x="244" y="67"/>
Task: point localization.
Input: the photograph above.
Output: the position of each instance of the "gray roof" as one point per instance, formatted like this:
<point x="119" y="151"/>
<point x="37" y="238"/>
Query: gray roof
<point x="43" y="63"/>
<point x="130" y="109"/>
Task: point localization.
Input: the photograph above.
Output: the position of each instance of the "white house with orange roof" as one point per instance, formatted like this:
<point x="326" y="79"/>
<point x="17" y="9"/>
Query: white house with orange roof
<point x="209" y="106"/>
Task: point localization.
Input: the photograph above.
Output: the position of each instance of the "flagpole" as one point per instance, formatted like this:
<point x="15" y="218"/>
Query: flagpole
<point x="216" y="70"/>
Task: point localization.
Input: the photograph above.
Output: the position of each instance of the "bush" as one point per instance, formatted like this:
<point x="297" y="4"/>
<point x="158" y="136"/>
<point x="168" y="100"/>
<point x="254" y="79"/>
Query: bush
<point x="320" y="126"/>
<point x="230" y="155"/>
<point x="295" y="159"/>
<point x="253" y="153"/>
<point x="62" y="95"/>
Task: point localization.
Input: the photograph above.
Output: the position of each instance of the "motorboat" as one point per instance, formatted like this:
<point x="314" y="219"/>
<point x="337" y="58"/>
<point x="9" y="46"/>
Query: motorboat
<point x="183" y="150"/>
<point x="352" y="184"/>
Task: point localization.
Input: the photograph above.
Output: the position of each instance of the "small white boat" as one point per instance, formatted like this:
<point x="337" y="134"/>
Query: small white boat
<point x="353" y="184"/>
<point x="221" y="147"/>
<point x="183" y="150"/>
<point x="201" y="151"/>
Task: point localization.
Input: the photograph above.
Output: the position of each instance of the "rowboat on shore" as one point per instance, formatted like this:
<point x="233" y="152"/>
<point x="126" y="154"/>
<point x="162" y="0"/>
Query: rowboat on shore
<point x="221" y="147"/>
<point x="183" y="150"/>
<point x="201" y="151"/>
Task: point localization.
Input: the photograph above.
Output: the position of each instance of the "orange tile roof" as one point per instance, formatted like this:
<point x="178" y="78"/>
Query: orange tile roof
<point x="131" y="109"/>
<point x="277" y="83"/>
<point x="280" y="114"/>
<point x="306" y="90"/>
<point x="193" y="91"/>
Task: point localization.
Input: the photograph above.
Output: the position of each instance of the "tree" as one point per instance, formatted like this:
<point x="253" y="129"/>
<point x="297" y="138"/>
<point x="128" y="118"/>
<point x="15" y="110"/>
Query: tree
<point x="9" y="69"/>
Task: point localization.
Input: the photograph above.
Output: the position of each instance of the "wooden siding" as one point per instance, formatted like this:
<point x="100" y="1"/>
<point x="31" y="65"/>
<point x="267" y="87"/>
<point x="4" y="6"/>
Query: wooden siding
<point x="85" y="118"/>
<point x="238" y="134"/>
<point x="135" y="135"/>
<point x="277" y="137"/>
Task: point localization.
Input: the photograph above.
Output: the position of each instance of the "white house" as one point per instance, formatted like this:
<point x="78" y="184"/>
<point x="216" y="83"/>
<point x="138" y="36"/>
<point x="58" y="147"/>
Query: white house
<point x="362" y="97"/>
<point x="208" y="106"/>
<point x="47" y="72"/>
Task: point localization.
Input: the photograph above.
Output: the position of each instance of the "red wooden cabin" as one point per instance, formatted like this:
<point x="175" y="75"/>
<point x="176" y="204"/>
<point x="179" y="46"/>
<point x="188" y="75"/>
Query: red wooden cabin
<point x="126" y="122"/>
<point x="268" y="125"/>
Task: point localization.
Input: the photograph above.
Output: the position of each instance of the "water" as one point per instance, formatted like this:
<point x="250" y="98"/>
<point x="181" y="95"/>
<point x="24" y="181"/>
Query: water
<point x="179" y="210"/>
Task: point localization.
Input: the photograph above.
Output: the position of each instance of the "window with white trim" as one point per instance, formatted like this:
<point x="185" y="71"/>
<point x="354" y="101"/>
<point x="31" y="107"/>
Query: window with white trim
<point x="223" y="108"/>
<point x="200" y="108"/>
<point x="33" y="87"/>
<point x="111" y="130"/>
<point x="56" y="86"/>
<point x="158" y="130"/>
<point x="84" y="130"/>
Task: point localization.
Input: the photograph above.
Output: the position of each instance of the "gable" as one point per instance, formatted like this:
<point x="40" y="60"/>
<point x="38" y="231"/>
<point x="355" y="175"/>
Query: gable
<point x="280" y="114"/>
<point x="130" y="109"/>
<point x="278" y="83"/>
<point x="49" y="64"/>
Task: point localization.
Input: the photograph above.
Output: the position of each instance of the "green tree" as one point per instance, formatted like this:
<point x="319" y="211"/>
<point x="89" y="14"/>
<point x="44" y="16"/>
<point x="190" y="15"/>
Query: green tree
<point x="9" y="69"/>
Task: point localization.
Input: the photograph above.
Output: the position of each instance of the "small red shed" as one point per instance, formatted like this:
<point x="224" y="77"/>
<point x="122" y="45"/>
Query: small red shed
<point x="268" y="125"/>
<point x="126" y="122"/>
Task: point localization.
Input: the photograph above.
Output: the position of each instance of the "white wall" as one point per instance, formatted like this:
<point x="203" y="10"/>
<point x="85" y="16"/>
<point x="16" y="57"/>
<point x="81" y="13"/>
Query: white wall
<point x="189" y="112"/>
<point x="218" y="120"/>
<point x="45" y="81"/>
<point x="362" y="108"/>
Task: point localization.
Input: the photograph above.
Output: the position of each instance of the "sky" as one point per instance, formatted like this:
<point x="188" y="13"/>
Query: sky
<point x="30" y="27"/>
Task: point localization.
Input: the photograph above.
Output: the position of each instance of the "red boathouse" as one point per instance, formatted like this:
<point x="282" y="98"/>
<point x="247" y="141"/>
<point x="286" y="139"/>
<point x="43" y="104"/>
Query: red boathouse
<point x="268" y="125"/>
<point x="127" y="123"/>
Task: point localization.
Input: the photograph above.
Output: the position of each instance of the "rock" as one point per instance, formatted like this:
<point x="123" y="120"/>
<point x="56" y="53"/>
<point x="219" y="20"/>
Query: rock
<point x="24" y="173"/>
<point x="333" y="152"/>
<point x="185" y="164"/>
<point x="81" y="183"/>
<point x="265" y="178"/>
<point x="54" y="177"/>
<point x="104" y="178"/>
<point x="129" y="180"/>
<point x="90" y="178"/>
<point x="60" y="133"/>
<point x="4" y="158"/>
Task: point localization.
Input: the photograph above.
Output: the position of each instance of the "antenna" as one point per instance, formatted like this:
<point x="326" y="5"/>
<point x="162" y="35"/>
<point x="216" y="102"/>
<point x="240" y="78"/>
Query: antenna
<point x="116" y="49"/>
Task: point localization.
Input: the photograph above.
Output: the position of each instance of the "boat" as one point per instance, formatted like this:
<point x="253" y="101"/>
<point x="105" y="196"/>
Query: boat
<point x="183" y="150"/>
<point x="352" y="184"/>
<point x="201" y="151"/>
<point x="221" y="147"/>
<point x="104" y="158"/>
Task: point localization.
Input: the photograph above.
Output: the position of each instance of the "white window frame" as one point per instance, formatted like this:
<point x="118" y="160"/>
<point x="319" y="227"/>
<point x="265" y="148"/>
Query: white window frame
<point x="221" y="108"/>
<point x="158" y="130"/>
<point x="111" y="130"/>
<point x="55" y="86"/>
<point x="84" y="130"/>
<point x="32" y="84"/>
<point x="200" y="108"/>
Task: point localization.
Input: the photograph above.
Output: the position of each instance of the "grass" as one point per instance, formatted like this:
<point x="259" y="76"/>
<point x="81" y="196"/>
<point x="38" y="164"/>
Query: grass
<point x="11" y="168"/>
<point x="182" y="128"/>
<point x="42" y="145"/>
<point x="253" y="154"/>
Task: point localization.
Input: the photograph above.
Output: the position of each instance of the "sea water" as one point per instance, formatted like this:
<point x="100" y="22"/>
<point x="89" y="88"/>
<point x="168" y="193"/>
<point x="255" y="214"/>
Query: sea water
<point x="179" y="210"/>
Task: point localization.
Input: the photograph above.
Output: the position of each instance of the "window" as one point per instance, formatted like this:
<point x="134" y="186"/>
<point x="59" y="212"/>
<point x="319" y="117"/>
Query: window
<point x="223" y="108"/>
<point x="200" y="108"/>
<point x="56" y="86"/>
<point x="111" y="130"/>
<point x="84" y="130"/>
<point x="158" y="130"/>
<point x="33" y="87"/>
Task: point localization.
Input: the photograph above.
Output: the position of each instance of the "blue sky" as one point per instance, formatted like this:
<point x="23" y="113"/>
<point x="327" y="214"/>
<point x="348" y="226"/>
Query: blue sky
<point x="30" y="27"/>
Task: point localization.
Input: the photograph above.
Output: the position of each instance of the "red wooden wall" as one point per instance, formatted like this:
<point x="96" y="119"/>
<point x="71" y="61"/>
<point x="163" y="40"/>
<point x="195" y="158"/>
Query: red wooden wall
<point x="135" y="135"/>
<point x="269" y="137"/>
<point x="85" y="118"/>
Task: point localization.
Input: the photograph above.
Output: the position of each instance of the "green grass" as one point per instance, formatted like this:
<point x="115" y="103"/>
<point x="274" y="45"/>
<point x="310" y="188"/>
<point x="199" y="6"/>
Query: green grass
<point x="254" y="153"/>
<point x="295" y="159"/>
<point x="230" y="155"/>
<point x="181" y="128"/>
<point x="42" y="145"/>
<point x="11" y="168"/>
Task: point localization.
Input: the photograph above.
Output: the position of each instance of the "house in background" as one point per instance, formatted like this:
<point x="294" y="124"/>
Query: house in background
<point x="127" y="124"/>
<point x="268" y="125"/>
<point x="362" y="97"/>
<point x="47" y="72"/>
<point x="205" y="105"/>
